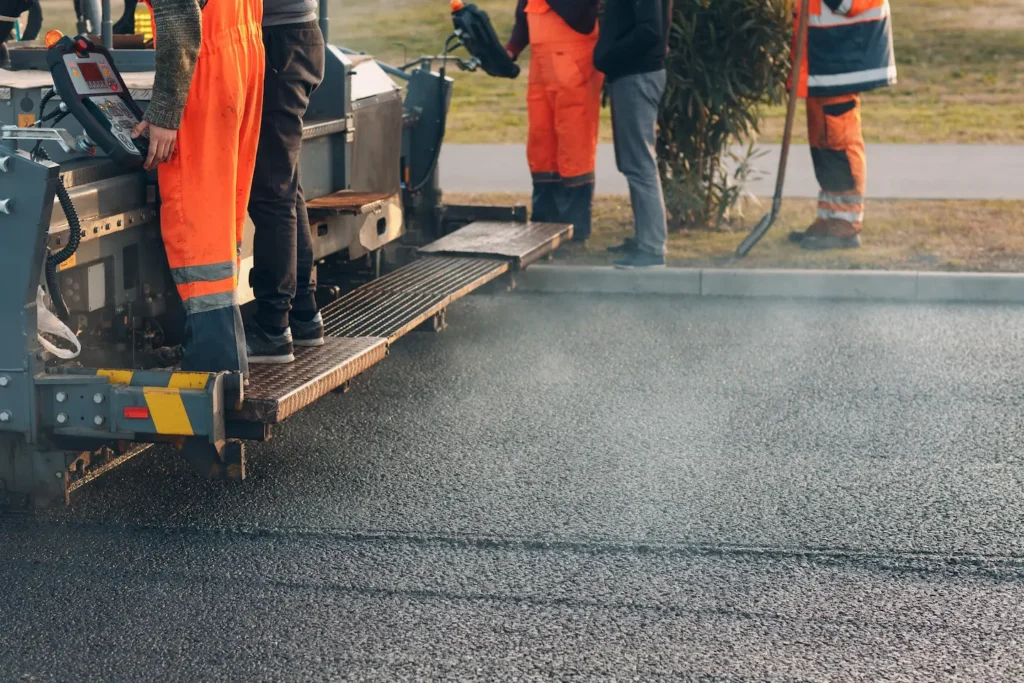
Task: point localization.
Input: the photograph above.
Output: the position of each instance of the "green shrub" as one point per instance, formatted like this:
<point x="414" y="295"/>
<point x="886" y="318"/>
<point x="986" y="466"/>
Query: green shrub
<point x="727" y="59"/>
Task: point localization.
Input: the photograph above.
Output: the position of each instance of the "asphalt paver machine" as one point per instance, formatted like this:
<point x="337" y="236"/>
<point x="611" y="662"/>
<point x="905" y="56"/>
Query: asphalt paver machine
<point x="80" y="236"/>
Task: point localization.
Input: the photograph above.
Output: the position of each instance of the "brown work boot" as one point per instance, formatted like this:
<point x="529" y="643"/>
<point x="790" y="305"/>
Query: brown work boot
<point x="828" y="242"/>
<point x="838" y="235"/>
<point x="817" y="228"/>
<point x="834" y="234"/>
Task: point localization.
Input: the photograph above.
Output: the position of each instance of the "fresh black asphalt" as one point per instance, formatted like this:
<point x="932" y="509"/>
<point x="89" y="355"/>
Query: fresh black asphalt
<point x="575" y="488"/>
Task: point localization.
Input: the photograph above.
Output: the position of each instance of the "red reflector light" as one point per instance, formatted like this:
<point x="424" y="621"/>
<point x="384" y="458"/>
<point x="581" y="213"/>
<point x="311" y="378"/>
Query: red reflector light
<point x="136" y="413"/>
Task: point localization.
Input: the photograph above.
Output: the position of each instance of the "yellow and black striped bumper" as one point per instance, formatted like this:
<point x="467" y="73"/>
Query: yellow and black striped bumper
<point x="133" y="405"/>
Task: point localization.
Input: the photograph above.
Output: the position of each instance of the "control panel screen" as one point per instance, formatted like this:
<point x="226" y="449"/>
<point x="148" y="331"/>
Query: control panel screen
<point x="91" y="74"/>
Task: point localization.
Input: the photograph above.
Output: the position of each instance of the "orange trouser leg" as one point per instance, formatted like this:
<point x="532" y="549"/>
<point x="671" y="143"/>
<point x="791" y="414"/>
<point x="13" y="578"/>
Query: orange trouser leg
<point x="564" y="105"/>
<point x="563" y="101"/>
<point x="840" y="163"/>
<point x="205" y="188"/>
<point x="542" y="141"/>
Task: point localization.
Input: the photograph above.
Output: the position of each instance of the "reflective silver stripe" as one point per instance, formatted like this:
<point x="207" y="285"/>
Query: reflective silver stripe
<point x="848" y="216"/>
<point x="209" y="302"/>
<point x="829" y="18"/>
<point x="579" y="180"/>
<point x="842" y="199"/>
<point x="210" y="273"/>
<point x="885" y="73"/>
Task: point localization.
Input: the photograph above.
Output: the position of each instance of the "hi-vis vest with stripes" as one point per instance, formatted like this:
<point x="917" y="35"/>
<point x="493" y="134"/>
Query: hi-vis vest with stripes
<point x="849" y="49"/>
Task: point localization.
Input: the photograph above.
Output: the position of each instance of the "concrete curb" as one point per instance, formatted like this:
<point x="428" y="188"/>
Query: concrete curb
<point x="861" y="285"/>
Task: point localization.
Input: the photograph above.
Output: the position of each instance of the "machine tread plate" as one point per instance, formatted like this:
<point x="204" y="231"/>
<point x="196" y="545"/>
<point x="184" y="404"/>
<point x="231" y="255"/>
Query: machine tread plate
<point x="276" y="392"/>
<point x="521" y="243"/>
<point x="347" y="202"/>
<point x="400" y="301"/>
<point x="323" y="127"/>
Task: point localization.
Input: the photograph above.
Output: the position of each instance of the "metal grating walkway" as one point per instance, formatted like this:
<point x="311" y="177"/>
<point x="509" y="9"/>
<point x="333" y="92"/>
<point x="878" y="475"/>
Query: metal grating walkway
<point x="397" y="303"/>
<point x="362" y="324"/>
<point x="519" y="243"/>
<point x="277" y="392"/>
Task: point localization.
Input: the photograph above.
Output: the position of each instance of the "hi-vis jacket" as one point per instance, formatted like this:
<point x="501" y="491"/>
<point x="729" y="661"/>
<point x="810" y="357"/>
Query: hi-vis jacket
<point x="849" y="48"/>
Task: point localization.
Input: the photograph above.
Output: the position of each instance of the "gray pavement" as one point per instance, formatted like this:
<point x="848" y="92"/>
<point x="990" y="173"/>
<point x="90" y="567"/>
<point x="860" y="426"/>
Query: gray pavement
<point x="894" y="171"/>
<point x="576" y="488"/>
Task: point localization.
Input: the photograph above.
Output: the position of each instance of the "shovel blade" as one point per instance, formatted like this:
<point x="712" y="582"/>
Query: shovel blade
<point x="756" y="234"/>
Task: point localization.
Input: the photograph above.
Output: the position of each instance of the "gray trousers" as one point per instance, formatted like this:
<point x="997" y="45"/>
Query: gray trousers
<point x="635" y="101"/>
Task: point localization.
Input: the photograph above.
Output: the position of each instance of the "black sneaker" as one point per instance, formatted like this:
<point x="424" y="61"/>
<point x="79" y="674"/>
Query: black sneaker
<point x="628" y="246"/>
<point x="641" y="260"/>
<point x="308" y="332"/>
<point x="264" y="348"/>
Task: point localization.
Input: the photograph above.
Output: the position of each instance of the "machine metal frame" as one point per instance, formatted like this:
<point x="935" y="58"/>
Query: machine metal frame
<point x="369" y="165"/>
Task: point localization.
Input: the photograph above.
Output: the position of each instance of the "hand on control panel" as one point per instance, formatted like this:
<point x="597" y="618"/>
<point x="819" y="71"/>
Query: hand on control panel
<point x="161" y="143"/>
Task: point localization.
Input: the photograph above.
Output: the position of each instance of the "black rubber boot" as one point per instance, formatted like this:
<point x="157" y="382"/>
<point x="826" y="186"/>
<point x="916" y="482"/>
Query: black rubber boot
<point x="576" y="206"/>
<point x="545" y="202"/>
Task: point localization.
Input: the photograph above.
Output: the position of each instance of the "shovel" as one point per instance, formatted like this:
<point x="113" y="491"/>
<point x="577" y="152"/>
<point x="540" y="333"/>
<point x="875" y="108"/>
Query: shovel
<point x="798" y="59"/>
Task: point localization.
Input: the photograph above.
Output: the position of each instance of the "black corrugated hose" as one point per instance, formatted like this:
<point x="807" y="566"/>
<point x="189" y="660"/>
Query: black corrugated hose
<point x="53" y="261"/>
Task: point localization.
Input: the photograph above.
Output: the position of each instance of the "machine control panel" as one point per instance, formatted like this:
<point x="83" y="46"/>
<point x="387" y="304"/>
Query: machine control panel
<point x="94" y="92"/>
<point x="91" y="74"/>
<point x="119" y="118"/>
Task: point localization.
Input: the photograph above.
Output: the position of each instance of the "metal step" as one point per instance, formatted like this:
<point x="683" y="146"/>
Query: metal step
<point x="348" y="203"/>
<point x="276" y="392"/>
<point x="362" y="324"/>
<point x="393" y="305"/>
<point x="519" y="243"/>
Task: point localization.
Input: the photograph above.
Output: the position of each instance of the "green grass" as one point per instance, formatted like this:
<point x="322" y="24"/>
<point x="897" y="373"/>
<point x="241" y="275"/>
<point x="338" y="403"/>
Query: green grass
<point x="961" y="70"/>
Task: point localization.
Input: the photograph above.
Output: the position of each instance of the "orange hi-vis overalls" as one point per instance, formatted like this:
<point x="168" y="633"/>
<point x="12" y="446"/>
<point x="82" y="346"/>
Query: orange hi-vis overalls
<point x="204" y="188"/>
<point x="849" y="50"/>
<point x="563" y="100"/>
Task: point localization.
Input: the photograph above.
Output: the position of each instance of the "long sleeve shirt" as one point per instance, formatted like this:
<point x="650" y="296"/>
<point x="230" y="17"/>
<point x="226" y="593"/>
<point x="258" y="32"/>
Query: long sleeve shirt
<point x="633" y="38"/>
<point x="179" y="25"/>
<point x="580" y="15"/>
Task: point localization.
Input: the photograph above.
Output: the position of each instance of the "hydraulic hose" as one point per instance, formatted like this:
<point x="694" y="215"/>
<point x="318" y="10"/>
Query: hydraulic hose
<point x="53" y="261"/>
<point x="415" y="189"/>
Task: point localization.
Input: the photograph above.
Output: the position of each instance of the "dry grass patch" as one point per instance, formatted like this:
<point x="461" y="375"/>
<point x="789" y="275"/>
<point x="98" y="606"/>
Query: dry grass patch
<point x="898" y="235"/>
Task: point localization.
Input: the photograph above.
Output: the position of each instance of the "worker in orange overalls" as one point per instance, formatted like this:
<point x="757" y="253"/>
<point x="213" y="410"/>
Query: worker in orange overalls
<point x="849" y="50"/>
<point x="203" y="124"/>
<point x="564" y="106"/>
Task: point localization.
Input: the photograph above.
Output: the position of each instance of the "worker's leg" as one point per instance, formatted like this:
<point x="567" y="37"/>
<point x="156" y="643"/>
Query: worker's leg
<point x="542" y="143"/>
<point x="295" y="66"/>
<point x="635" y="104"/>
<point x="198" y="190"/>
<point x="249" y="137"/>
<point x="840" y="165"/>
<point x="577" y="122"/>
<point x="304" y="305"/>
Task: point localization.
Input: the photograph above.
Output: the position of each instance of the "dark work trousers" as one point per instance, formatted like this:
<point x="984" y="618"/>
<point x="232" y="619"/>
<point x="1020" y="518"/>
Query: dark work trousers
<point x="282" y="273"/>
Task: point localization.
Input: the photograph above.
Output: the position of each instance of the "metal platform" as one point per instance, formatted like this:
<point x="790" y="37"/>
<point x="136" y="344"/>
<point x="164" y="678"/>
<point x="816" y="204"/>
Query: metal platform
<point x="520" y="243"/>
<point x="277" y="392"/>
<point x="361" y="325"/>
<point x="346" y="202"/>
<point x="397" y="303"/>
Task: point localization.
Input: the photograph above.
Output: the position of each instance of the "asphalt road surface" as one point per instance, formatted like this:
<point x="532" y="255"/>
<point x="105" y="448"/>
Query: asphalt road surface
<point x="575" y="488"/>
